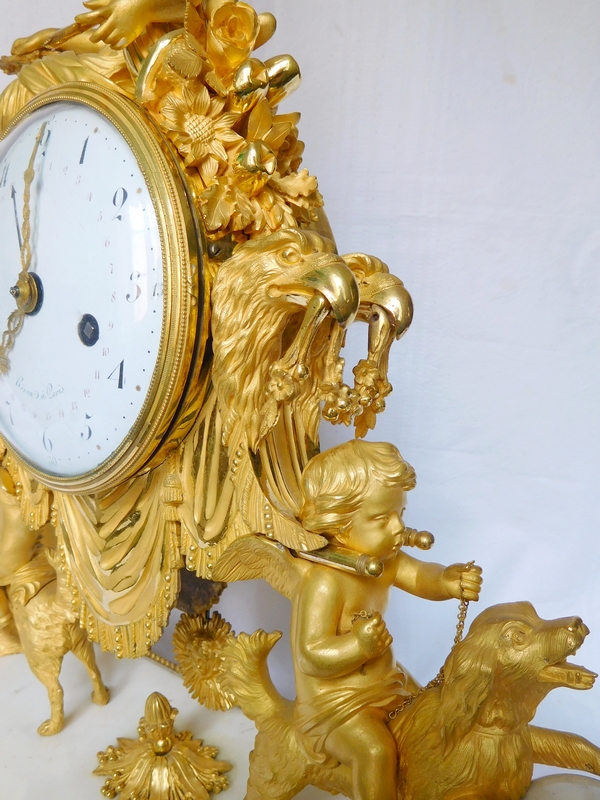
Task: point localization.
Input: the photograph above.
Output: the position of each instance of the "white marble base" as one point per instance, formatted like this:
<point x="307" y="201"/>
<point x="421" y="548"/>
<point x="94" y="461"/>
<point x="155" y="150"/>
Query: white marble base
<point x="33" y="767"/>
<point x="564" y="787"/>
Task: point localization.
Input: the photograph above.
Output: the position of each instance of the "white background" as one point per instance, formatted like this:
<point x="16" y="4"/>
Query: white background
<point x="458" y="140"/>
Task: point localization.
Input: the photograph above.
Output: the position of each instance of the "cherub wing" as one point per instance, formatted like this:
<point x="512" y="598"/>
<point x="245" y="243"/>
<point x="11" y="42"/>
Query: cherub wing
<point x="252" y="557"/>
<point x="262" y="505"/>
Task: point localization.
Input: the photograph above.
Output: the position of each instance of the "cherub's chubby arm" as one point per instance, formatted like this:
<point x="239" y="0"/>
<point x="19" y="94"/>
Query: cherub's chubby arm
<point x="436" y="582"/>
<point x="318" y="649"/>
<point x="121" y="21"/>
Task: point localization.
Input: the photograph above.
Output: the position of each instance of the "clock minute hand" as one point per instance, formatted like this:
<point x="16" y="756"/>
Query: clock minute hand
<point x="25" y="291"/>
<point x="13" y="194"/>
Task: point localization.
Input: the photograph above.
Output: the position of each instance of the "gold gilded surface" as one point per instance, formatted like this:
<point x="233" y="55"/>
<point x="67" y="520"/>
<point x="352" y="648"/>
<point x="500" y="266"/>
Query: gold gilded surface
<point x="226" y="477"/>
<point x="347" y="679"/>
<point x="48" y="629"/>
<point x="200" y="86"/>
<point x="184" y="303"/>
<point x="17" y="549"/>
<point x="198" y="643"/>
<point x="36" y="617"/>
<point x="216" y="103"/>
<point x="161" y="764"/>
<point x="469" y="736"/>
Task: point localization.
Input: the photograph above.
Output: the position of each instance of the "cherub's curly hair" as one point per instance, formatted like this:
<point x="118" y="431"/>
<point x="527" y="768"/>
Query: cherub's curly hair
<point x="337" y="481"/>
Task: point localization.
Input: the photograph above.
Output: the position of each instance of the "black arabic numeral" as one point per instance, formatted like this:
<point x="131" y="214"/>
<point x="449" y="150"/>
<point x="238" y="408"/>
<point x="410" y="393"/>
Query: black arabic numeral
<point x="119" y="377"/>
<point x="88" y="431"/>
<point x="119" y="201"/>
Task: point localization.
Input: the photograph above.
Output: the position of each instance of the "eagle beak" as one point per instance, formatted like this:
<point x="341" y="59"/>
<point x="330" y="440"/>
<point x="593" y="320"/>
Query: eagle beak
<point x="399" y="306"/>
<point x="336" y="282"/>
<point x="327" y="288"/>
<point x="329" y="277"/>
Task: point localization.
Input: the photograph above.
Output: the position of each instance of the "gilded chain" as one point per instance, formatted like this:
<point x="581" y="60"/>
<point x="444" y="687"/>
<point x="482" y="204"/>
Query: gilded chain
<point x="362" y="615"/>
<point x="13" y="326"/>
<point x="164" y="662"/>
<point x="15" y="320"/>
<point x="463" y="608"/>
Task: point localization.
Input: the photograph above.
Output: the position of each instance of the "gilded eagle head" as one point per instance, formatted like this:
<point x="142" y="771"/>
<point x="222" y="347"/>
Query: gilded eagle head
<point x="272" y="301"/>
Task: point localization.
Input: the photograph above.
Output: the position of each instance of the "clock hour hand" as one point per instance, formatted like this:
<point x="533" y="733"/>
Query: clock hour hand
<point x="26" y="290"/>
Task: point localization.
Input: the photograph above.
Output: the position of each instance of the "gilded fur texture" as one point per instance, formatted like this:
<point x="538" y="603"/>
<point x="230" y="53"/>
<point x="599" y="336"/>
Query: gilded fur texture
<point x="469" y="739"/>
<point x="48" y="629"/>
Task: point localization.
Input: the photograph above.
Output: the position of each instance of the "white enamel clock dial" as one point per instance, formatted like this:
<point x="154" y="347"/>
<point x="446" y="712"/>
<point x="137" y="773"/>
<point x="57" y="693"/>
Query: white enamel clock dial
<point x="83" y="368"/>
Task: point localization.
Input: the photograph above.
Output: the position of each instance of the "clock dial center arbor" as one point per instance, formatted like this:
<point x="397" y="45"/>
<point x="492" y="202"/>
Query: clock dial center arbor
<point x="98" y="373"/>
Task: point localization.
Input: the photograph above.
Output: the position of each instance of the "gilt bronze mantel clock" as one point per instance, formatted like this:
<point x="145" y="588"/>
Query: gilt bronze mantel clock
<point x="175" y="310"/>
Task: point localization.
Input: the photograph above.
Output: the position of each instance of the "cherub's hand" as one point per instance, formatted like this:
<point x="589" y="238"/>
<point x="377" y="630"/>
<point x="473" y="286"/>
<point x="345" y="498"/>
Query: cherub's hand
<point x="119" y="21"/>
<point x="372" y="634"/>
<point x="463" y="581"/>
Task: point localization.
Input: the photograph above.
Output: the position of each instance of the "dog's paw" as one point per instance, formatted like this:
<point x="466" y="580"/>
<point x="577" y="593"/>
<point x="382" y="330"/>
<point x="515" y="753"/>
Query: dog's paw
<point x="101" y="696"/>
<point x="50" y="727"/>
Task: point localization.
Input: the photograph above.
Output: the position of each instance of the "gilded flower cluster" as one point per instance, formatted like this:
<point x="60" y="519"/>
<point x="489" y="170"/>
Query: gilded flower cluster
<point x="219" y="105"/>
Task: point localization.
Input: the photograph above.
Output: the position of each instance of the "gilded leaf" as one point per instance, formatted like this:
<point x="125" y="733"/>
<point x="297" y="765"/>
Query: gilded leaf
<point x="195" y="24"/>
<point x="298" y="184"/>
<point x="208" y="169"/>
<point x="260" y="120"/>
<point x="185" y="60"/>
<point x="278" y="133"/>
<point x="216" y="208"/>
<point x="215" y="83"/>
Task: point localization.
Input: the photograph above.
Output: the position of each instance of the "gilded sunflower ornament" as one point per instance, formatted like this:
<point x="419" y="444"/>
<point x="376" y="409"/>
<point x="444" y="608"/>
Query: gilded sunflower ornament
<point x="198" y="644"/>
<point x="199" y="129"/>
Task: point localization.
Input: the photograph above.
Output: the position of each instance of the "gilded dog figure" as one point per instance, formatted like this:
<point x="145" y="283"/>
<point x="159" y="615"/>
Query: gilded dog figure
<point x="468" y="739"/>
<point x="471" y="737"/>
<point x="48" y="629"/>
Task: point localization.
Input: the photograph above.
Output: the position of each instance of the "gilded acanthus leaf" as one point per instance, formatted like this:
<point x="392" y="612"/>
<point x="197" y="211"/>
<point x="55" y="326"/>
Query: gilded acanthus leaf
<point x="161" y="764"/>
<point x="259" y="122"/>
<point x="217" y="207"/>
<point x="299" y="185"/>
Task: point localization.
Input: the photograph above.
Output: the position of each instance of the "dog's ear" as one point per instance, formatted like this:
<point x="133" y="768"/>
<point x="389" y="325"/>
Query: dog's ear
<point x="468" y="678"/>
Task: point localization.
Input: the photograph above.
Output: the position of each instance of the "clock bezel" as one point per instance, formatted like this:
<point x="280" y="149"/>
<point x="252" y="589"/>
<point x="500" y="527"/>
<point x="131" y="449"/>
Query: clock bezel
<point x="179" y="377"/>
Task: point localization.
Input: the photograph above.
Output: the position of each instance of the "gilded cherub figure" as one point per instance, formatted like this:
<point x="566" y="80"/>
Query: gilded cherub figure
<point x="17" y="547"/>
<point x="347" y="679"/>
<point x="468" y="735"/>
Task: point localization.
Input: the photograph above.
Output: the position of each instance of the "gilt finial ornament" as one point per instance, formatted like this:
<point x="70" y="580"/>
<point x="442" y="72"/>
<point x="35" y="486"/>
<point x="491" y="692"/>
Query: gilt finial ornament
<point x="161" y="764"/>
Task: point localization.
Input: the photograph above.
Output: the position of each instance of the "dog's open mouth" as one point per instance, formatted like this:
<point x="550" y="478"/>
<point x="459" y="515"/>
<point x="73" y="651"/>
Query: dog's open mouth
<point x="564" y="673"/>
